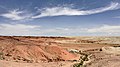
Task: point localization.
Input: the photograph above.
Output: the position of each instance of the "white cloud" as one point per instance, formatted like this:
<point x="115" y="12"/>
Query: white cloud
<point x="17" y="29"/>
<point x="57" y="11"/>
<point x="23" y="29"/>
<point x="102" y="30"/>
<point x="63" y="31"/>
<point x="105" y="29"/>
<point x="16" y="15"/>
<point x="117" y="17"/>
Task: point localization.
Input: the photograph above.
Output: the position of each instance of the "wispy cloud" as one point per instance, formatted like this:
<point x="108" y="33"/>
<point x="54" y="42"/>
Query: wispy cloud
<point x="3" y="7"/>
<point x="58" y="11"/>
<point x="102" y="30"/>
<point x="117" y="17"/>
<point x="64" y="30"/>
<point x="23" y="29"/>
<point x="17" y="29"/>
<point x="105" y="29"/>
<point x="16" y="14"/>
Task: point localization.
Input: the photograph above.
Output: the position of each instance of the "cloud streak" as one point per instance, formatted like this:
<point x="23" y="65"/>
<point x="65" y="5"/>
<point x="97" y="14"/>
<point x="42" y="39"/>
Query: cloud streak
<point x="23" y="29"/>
<point x="102" y="30"/>
<point x="16" y="14"/>
<point x="105" y="29"/>
<point x="117" y="17"/>
<point x="17" y="29"/>
<point x="58" y="11"/>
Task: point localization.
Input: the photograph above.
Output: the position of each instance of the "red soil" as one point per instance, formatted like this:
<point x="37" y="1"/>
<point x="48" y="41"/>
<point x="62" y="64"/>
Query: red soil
<point x="33" y="50"/>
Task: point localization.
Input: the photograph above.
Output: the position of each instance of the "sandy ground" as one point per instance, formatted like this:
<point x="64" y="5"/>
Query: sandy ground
<point x="103" y="59"/>
<point x="50" y="64"/>
<point x="102" y="51"/>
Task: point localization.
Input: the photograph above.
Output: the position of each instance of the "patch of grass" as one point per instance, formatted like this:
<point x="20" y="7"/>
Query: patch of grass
<point x="79" y="64"/>
<point x="1" y="56"/>
<point x="1" y="53"/>
<point x="83" y="58"/>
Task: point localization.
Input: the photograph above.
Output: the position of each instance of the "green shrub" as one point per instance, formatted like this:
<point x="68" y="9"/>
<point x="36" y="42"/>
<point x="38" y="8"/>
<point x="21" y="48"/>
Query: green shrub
<point x="1" y="53"/>
<point x="1" y="56"/>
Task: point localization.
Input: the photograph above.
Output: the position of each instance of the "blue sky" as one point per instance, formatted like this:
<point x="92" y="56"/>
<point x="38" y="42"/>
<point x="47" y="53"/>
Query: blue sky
<point x="60" y="17"/>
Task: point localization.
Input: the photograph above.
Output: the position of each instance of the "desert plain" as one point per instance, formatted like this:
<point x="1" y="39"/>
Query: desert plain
<point x="40" y="51"/>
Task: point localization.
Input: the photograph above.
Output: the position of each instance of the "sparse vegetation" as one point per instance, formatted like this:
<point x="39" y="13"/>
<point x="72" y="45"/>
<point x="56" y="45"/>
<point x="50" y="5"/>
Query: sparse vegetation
<point x="81" y="52"/>
<point x="1" y="56"/>
<point x="1" y="53"/>
<point x="82" y="60"/>
<point x="79" y="64"/>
